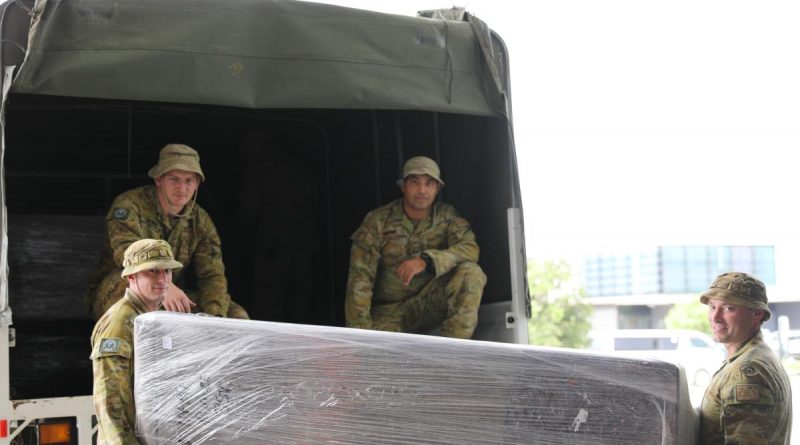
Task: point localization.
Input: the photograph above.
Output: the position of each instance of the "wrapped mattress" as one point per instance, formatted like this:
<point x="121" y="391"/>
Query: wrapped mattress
<point x="207" y="380"/>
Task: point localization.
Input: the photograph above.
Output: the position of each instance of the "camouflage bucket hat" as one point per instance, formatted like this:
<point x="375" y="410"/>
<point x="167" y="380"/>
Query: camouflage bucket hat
<point x="421" y="165"/>
<point x="148" y="254"/>
<point x="739" y="288"/>
<point x="177" y="157"/>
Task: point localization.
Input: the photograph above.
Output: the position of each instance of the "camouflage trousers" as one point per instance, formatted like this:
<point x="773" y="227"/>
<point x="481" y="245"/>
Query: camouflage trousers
<point x="449" y="303"/>
<point x="112" y="288"/>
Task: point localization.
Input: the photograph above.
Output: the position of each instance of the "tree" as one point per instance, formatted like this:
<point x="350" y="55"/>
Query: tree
<point x="690" y="315"/>
<point x="559" y="312"/>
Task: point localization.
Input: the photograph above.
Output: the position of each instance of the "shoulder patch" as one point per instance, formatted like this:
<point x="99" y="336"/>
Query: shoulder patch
<point x="109" y="345"/>
<point x="747" y="393"/>
<point x="120" y="213"/>
<point x="748" y="370"/>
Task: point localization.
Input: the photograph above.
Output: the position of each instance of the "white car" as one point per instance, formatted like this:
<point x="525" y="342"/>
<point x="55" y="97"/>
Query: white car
<point x="694" y="351"/>
<point x="792" y="343"/>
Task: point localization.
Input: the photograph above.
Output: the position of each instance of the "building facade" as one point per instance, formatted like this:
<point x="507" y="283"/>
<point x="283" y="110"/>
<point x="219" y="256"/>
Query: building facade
<point x="637" y="289"/>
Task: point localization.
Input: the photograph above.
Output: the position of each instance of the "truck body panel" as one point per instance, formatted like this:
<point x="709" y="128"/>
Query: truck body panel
<point x="332" y="100"/>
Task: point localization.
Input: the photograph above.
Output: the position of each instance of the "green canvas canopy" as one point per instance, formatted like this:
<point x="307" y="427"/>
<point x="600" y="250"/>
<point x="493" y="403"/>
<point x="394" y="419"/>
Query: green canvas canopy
<point x="261" y="54"/>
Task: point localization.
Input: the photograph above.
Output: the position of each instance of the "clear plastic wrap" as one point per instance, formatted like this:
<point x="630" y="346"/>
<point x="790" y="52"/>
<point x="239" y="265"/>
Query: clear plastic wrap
<point x="205" y="380"/>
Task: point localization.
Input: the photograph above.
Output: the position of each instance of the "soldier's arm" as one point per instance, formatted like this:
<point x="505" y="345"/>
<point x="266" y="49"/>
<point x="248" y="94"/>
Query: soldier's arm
<point x="748" y="412"/>
<point x="461" y="247"/>
<point x="212" y="286"/>
<point x="113" y="399"/>
<point x="123" y="226"/>
<point x="364" y="257"/>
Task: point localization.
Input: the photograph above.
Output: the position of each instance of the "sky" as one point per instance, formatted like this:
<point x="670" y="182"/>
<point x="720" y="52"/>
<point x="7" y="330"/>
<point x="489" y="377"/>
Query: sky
<point x="641" y="123"/>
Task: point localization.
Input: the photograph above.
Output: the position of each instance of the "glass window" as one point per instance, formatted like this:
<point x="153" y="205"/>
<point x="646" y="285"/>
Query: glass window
<point x="700" y="343"/>
<point x="742" y="259"/>
<point x="674" y="278"/>
<point x="674" y="269"/>
<point x="697" y="270"/>
<point x="633" y="317"/>
<point x="667" y="343"/>
<point x="764" y="259"/>
<point x="634" y="344"/>
<point x="645" y="344"/>
<point x="721" y="260"/>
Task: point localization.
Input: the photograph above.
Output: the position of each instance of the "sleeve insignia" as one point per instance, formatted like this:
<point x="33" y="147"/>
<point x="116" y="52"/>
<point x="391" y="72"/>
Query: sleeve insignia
<point x="747" y="393"/>
<point x="109" y="345"/>
<point x="120" y="213"/>
<point x="748" y="370"/>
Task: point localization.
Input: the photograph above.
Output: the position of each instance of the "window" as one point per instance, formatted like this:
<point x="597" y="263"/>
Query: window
<point x="700" y="343"/>
<point x="674" y="269"/>
<point x="645" y="344"/>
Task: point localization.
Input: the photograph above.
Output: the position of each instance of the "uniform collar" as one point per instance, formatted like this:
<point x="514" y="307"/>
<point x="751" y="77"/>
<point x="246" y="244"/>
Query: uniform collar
<point x="748" y="344"/>
<point x="398" y="214"/>
<point x="152" y="194"/>
<point x="136" y="301"/>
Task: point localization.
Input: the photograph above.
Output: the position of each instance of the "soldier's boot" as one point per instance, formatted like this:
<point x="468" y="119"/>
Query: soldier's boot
<point x="446" y="306"/>
<point x="388" y="317"/>
<point x="237" y="311"/>
<point x="463" y="292"/>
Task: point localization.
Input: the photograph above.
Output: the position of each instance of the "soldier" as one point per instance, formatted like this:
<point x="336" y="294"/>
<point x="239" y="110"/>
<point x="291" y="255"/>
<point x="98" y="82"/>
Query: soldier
<point x="413" y="263"/>
<point x="148" y="266"/>
<point x="168" y="210"/>
<point x="749" y="399"/>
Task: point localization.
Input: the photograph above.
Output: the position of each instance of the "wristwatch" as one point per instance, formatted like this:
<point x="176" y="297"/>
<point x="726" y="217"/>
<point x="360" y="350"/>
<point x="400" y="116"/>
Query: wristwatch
<point x="430" y="267"/>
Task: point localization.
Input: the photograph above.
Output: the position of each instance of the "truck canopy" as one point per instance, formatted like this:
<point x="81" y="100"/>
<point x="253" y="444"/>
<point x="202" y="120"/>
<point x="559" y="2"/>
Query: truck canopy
<point x="260" y="54"/>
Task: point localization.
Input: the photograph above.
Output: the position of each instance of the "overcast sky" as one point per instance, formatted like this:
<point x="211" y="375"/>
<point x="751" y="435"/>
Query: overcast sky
<point x="643" y="123"/>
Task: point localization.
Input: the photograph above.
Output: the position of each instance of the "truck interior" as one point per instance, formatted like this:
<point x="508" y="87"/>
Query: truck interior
<point x="285" y="187"/>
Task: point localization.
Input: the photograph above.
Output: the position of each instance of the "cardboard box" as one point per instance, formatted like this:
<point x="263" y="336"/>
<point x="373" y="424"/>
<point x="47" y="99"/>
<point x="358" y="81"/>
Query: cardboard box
<point x="206" y="380"/>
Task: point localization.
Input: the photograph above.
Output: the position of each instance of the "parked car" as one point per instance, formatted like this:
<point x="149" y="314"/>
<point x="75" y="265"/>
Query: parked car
<point x="695" y="351"/>
<point x="771" y="339"/>
<point x="792" y="343"/>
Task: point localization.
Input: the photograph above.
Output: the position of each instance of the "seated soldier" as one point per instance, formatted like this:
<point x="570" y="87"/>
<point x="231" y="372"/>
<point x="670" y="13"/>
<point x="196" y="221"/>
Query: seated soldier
<point x="168" y="211"/>
<point x="413" y="263"/>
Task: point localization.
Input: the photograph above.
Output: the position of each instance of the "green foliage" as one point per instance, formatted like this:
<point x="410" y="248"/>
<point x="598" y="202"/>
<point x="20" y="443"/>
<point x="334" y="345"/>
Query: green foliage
<point x="559" y="312"/>
<point x="690" y="315"/>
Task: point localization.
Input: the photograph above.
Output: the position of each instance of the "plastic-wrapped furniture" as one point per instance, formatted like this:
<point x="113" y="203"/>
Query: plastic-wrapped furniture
<point x="205" y="380"/>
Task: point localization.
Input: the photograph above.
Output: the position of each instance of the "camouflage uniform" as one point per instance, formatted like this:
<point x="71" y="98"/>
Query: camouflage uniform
<point x="137" y="214"/>
<point x="749" y="399"/>
<point x="449" y="297"/>
<point x="112" y="364"/>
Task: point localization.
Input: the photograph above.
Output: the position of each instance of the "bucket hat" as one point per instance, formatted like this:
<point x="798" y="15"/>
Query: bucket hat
<point x="740" y="289"/>
<point x="177" y="157"/>
<point x="148" y="254"/>
<point x="421" y="165"/>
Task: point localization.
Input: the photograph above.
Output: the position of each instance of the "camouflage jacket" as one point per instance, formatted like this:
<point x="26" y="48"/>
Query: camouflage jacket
<point x="386" y="238"/>
<point x="112" y="364"/>
<point x="137" y="214"/>
<point x="749" y="401"/>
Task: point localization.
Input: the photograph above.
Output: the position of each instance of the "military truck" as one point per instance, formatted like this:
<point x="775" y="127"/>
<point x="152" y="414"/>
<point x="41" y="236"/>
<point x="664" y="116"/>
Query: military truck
<point x="303" y="115"/>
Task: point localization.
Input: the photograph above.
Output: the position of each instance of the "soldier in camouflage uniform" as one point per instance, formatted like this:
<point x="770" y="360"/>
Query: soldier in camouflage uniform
<point x="749" y="400"/>
<point x="148" y="266"/>
<point x="413" y="263"/>
<point x="168" y="210"/>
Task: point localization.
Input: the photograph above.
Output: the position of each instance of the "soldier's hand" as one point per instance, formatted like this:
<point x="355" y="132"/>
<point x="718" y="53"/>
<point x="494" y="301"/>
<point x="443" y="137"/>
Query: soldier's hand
<point x="177" y="301"/>
<point x="410" y="268"/>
